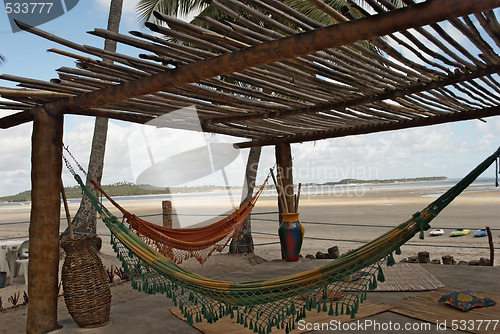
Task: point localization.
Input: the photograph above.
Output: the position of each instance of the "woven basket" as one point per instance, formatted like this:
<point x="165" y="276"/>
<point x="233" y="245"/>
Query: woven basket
<point x="85" y="283"/>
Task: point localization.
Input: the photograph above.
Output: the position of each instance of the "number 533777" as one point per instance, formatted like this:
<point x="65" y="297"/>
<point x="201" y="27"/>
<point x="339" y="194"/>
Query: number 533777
<point x="28" y="7"/>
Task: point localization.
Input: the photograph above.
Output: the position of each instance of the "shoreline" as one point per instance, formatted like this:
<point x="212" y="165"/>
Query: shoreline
<point x="324" y="186"/>
<point x="329" y="220"/>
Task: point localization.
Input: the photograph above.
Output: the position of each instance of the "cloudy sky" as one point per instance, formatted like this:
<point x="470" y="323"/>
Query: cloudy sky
<point x="443" y="150"/>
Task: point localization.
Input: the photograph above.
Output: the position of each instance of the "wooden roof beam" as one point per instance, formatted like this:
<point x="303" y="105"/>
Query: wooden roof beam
<point x="370" y="128"/>
<point x="391" y="94"/>
<point x="277" y="50"/>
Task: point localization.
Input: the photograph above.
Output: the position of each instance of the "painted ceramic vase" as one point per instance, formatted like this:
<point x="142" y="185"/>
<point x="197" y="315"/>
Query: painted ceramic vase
<point x="291" y="233"/>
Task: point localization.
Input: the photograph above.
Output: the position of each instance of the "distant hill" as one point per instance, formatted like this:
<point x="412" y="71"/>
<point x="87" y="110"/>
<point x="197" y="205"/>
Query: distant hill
<point x="403" y="180"/>
<point x="119" y="189"/>
<point x="131" y="189"/>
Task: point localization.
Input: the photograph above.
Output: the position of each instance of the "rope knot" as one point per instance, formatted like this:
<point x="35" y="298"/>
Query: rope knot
<point x="420" y="223"/>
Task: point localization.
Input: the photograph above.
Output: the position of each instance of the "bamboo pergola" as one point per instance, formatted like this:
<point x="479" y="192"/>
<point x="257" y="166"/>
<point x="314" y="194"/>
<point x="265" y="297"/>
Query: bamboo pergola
<point x="285" y="79"/>
<point x="245" y="82"/>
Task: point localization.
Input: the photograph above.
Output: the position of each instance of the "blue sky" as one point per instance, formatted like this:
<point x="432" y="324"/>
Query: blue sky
<point x="446" y="150"/>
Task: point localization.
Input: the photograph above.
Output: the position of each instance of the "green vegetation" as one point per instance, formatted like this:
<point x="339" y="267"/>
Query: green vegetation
<point x="119" y="189"/>
<point x="131" y="189"/>
<point x="403" y="180"/>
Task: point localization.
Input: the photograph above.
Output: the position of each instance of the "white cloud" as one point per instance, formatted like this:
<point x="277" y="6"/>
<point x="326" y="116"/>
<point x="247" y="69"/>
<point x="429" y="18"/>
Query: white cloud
<point x="15" y="162"/>
<point x="129" y="12"/>
<point x="449" y="149"/>
<point x="129" y="6"/>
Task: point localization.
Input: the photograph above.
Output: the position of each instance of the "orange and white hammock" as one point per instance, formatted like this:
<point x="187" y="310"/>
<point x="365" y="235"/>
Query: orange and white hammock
<point x="180" y="244"/>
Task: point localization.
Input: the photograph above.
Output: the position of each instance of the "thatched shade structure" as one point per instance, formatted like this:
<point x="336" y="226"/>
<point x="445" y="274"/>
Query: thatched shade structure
<point x="265" y="83"/>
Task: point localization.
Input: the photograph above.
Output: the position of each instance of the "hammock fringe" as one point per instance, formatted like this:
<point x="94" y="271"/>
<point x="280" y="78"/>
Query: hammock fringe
<point x="278" y="302"/>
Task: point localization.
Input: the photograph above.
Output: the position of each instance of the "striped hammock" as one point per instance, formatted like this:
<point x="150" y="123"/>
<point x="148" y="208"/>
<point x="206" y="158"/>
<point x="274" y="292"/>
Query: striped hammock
<point x="337" y="287"/>
<point x="179" y="244"/>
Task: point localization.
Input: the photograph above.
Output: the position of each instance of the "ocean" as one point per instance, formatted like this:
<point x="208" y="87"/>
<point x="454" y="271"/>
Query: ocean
<point x="480" y="185"/>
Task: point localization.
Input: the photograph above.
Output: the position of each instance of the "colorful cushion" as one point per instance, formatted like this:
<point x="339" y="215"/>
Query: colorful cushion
<point x="466" y="300"/>
<point x="355" y="276"/>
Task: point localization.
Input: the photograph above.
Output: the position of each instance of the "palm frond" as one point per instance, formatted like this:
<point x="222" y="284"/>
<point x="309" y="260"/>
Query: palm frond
<point x="2" y="59"/>
<point x="145" y="8"/>
<point x="307" y="8"/>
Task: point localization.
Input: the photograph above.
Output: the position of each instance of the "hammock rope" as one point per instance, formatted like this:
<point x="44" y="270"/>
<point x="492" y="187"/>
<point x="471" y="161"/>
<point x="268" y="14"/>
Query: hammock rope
<point x="184" y="243"/>
<point x="337" y="287"/>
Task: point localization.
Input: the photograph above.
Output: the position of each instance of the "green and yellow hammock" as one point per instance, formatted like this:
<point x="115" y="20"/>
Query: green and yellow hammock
<point x="337" y="287"/>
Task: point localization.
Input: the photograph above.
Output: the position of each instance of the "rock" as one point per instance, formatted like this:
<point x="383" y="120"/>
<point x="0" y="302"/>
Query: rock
<point x="413" y="259"/>
<point x="484" y="261"/>
<point x="474" y="263"/>
<point x="462" y="263"/>
<point x="436" y="261"/>
<point x="310" y="256"/>
<point x="404" y="260"/>
<point x="448" y="259"/>
<point x="333" y="252"/>
<point x="424" y="257"/>
<point x="320" y="255"/>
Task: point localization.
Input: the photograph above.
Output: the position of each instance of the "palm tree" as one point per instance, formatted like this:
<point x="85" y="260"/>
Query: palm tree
<point x="85" y="220"/>
<point x="310" y="8"/>
<point x="146" y="8"/>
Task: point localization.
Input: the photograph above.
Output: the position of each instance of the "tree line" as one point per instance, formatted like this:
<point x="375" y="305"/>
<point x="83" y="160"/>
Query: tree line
<point x="121" y="189"/>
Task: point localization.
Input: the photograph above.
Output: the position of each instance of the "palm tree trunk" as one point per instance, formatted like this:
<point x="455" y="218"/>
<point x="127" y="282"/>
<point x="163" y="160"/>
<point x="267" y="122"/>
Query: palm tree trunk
<point x="85" y="219"/>
<point x="244" y="243"/>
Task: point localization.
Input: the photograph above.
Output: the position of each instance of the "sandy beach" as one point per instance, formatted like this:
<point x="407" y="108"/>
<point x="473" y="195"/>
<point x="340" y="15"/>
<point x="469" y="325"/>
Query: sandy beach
<point x="346" y="219"/>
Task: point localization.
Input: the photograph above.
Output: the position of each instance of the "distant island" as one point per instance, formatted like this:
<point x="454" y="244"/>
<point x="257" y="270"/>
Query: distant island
<point x="403" y="180"/>
<point x="131" y="189"/>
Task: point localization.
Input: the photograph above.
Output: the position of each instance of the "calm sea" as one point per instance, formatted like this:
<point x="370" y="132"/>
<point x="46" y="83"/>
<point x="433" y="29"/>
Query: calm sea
<point x="481" y="184"/>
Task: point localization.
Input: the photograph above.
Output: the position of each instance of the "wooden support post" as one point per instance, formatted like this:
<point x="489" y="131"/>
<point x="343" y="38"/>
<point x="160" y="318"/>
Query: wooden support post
<point x="285" y="172"/>
<point x="44" y="223"/>
<point x="490" y="243"/>
<point x="167" y="213"/>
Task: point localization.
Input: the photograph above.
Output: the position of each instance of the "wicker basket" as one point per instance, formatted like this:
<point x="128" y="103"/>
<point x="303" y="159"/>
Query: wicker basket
<point x="85" y="283"/>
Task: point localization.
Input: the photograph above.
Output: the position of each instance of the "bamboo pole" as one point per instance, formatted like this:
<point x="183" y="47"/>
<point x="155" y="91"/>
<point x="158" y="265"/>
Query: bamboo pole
<point x="6" y="92"/>
<point x="74" y="55"/>
<point x="492" y="249"/>
<point x="66" y="210"/>
<point x="278" y="190"/>
<point x="286" y="209"/>
<point x="167" y="213"/>
<point x="297" y="198"/>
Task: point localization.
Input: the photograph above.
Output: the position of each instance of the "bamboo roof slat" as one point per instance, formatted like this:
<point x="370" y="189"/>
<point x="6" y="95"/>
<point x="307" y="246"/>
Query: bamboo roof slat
<point x="491" y="83"/>
<point x="469" y="30"/>
<point x="416" y="75"/>
<point x="478" y="95"/>
<point x="446" y="37"/>
<point x="490" y="24"/>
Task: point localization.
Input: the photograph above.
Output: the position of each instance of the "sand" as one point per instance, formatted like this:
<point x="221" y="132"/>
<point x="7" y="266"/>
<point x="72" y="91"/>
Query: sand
<point x="345" y="219"/>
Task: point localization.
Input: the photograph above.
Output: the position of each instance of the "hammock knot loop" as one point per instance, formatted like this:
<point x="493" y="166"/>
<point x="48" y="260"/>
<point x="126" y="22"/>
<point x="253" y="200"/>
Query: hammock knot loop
<point x="420" y="223"/>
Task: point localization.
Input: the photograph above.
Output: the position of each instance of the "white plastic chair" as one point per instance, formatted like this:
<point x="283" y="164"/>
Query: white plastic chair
<point x="24" y="264"/>
<point x="22" y="260"/>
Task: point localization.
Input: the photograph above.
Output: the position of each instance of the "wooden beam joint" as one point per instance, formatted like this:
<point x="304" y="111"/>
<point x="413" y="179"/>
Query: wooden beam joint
<point x="370" y="128"/>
